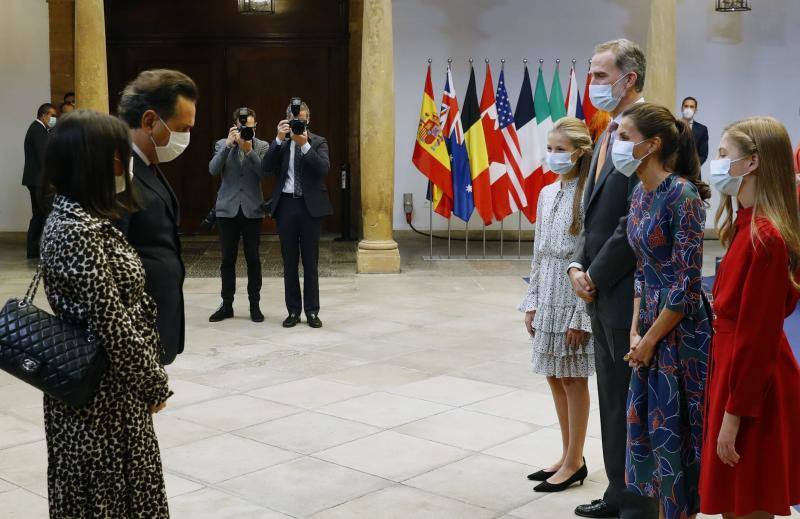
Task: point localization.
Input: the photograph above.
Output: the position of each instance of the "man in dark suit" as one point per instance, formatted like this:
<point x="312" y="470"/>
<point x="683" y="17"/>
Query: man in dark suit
<point x="159" y="106"/>
<point x="35" y="143"/>
<point x="699" y="131"/>
<point x="602" y="272"/>
<point x="239" y="209"/>
<point x="300" y="201"/>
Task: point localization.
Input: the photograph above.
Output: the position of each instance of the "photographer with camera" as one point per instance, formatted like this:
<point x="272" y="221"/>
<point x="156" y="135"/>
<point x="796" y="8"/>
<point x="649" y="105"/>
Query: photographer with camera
<point x="237" y="159"/>
<point x="299" y="160"/>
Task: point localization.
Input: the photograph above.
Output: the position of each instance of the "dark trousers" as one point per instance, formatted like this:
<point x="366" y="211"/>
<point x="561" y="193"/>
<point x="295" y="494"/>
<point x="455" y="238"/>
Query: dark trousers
<point x="613" y="380"/>
<point x="230" y="230"/>
<point x="38" y="217"/>
<point x="299" y="232"/>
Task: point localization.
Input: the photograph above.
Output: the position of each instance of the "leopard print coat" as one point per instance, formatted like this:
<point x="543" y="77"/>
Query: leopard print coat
<point x="103" y="459"/>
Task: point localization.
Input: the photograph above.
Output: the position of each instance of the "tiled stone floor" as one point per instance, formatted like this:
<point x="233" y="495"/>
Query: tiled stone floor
<point x="414" y="401"/>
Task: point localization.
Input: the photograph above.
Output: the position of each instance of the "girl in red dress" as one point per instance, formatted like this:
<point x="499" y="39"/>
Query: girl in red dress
<point x="750" y="464"/>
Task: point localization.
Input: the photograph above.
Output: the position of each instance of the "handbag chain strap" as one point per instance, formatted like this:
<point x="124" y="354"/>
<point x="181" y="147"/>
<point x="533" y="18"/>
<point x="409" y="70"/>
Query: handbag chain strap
<point x="31" y="293"/>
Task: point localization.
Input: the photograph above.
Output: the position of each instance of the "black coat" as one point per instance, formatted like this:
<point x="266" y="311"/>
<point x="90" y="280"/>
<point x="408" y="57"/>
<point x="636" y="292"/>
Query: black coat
<point x="35" y="143"/>
<point x="603" y="248"/>
<point x="314" y="168"/>
<point x="700" y="134"/>
<point x="153" y="232"/>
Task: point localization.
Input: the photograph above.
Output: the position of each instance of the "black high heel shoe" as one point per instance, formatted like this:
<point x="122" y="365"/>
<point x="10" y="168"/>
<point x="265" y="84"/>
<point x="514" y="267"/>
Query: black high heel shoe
<point x="579" y="476"/>
<point x="542" y="475"/>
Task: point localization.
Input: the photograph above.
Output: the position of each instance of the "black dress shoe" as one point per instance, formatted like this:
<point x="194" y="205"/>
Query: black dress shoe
<point x="581" y="475"/>
<point x="255" y="314"/>
<point x="291" y="321"/>
<point x="597" y="508"/>
<point x="542" y="475"/>
<point x="313" y="321"/>
<point x="224" y="312"/>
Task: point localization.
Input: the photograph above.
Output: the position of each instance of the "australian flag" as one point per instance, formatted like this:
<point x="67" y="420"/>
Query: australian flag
<point x="463" y="203"/>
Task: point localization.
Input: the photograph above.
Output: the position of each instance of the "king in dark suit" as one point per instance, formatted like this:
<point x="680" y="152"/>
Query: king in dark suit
<point x="300" y="201"/>
<point x="159" y="106"/>
<point x="35" y="143"/>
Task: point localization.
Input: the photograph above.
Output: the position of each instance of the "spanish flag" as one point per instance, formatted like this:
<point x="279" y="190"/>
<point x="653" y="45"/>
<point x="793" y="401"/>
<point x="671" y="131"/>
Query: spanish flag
<point x="476" y="149"/>
<point x="430" y="152"/>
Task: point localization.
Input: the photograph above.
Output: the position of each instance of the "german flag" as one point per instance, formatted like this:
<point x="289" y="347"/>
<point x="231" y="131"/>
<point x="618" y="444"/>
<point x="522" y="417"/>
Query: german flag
<point x="476" y="150"/>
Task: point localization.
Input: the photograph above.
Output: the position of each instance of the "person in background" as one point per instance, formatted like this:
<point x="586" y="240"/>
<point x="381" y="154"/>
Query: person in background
<point x="602" y="272"/>
<point x="671" y="328"/>
<point x="69" y="98"/>
<point x="699" y="131"/>
<point x="237" y="159"/>
<point x="35" y="144"/>
<point x="300" y="163"/>
<point x="159" y="106"/>
<point x="66" y="108"/>
<point x="103" y="459"/>
<point x="751" y="453"/>
<point x="556" y="319"/>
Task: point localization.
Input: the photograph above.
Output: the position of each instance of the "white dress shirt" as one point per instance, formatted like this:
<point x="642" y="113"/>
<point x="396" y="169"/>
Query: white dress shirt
<point x="288" y="187"/>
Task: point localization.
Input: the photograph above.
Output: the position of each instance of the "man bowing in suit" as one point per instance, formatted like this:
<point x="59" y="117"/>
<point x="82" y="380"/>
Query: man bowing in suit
<point x="699" y="131"/>
<point x="159" y="106"/>
<point x="299" y="160"/>
<point x="602" y="271"/>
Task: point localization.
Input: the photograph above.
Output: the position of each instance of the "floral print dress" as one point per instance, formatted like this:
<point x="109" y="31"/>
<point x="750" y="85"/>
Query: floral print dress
<point x="666" y="399"/>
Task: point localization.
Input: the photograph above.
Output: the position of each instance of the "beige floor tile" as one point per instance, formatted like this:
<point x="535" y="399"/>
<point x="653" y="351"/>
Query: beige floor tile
<point x="450" y="390"/>
<point x="232" y="412"/>
<point x="525" y="406"/>
<point x="21" y="504"/>
<point x="14" y="431"/>
<point x="26" y="467"/>
<point x="177" y="486"/>
<point x="543" y="448"/>
<point x="172" y="431"/>
<point x="222" y="457"/>
<point x="467" y="429"/>
<point x="436" y="361"/>
<point x="307" y="432"/>
<point x="213" y="504"/>
<point x="309" y="393"/>
<point x="373" y="350"/>
<point x="503" y="373"/>
<point x="392" y="455"/>
<point x="377" y="375"/>
<point x="401" y="502"/>
<point x="305" y="486"/>
<point x="561" y="505"/>
<point x="383" y="409"/>
<point x="481" y="481"/>
<point x="5" y="486"/>
<point x="242" y="377"/>
<point x="187" y="393"/>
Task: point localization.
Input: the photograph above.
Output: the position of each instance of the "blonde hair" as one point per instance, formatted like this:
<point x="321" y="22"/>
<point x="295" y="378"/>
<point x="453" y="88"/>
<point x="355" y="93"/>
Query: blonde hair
<point x="578" y="134"/>
<point x="776" y="190"/>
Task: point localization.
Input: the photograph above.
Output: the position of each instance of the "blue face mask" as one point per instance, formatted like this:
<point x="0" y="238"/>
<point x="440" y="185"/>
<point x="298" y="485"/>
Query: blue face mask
<point x="602" y="96"/>
<point x="622" y="156"/>
<point x="721" y="178"/>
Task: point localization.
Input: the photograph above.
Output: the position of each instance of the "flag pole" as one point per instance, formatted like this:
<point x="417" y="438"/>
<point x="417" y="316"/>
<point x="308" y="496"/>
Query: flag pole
<point x="448" y="236"/>
<point x="519" y="237"/>
<point x="501" y="239"/>
<point x="484" y="240"/>
<point x="430" y="205"/>
<point x="466" y="238"/>
<point x="449" y="220"/>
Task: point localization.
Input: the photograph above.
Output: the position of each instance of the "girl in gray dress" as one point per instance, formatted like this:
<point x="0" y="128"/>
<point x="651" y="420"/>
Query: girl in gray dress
<point x="555" y="317"/>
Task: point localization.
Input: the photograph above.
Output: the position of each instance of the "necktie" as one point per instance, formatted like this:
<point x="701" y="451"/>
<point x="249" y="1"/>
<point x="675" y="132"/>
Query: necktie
<point x="298" y="174"/>
<point x="605" y="148"/>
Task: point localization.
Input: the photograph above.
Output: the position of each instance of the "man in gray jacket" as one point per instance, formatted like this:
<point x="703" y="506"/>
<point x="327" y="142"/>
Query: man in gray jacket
<point x="237" y="159"/>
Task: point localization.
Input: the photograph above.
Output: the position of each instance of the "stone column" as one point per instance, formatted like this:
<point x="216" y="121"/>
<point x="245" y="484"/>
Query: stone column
<point x="91" y="71"/>
<point x="377" y="252"/>
<point x="661" y="55"/>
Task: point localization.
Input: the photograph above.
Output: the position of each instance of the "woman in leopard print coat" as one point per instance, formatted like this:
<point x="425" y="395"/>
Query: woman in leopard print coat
<point x="103" y="459"/>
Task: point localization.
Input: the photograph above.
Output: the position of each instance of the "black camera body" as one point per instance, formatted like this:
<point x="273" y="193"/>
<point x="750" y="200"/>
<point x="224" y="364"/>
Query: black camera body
<point x="298" y="126"/>
<point x="247" y="133"/>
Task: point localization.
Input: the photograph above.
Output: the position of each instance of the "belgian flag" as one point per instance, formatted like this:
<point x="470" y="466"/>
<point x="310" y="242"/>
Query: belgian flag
<point x="476" y="150"/>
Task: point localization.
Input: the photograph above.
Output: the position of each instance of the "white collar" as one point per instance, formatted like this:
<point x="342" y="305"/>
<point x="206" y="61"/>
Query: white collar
<point x="140" y="153"/>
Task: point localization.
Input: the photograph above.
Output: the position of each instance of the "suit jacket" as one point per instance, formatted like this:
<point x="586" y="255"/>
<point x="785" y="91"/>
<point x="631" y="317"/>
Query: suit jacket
<point x="700" y="134"/>
<point x="314" y="168"/>
<point x="603" y="248"/>
<point x="35" y="143"/>
<point x="241" y="179"/>
<point x="153" y="232"/>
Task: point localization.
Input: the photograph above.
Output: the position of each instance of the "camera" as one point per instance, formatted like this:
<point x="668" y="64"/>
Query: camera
<point x="245" y="132"/>
<point x="298" y="126"/>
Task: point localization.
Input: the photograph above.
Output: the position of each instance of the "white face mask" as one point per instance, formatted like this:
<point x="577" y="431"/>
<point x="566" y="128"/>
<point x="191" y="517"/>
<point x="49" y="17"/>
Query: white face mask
<point x="602" y="96"/>
<point x="178" y="142"/>
<point x="721" y="178"/>
<point x="688" y="114"/>
<point x="119" y="181"/>
<point x="560" y="162"/>
<point x="622" y="156"/>
<point x="51" y="123"/>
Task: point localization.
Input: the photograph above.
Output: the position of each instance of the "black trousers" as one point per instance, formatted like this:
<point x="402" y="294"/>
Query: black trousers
<point x="299" y="232"/>
<point x="230" y="230"/>
<point x="613" y="380"/>
<point x="38" y="217"/>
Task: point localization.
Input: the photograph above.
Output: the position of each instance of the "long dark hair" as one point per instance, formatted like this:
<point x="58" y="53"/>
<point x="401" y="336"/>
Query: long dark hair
<point x="79" y="161"/>
<point x="678" y="151"/>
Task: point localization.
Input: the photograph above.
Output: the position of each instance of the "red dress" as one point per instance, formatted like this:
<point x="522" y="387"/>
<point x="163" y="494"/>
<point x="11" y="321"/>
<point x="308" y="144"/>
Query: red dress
<point x="753" y="374"/>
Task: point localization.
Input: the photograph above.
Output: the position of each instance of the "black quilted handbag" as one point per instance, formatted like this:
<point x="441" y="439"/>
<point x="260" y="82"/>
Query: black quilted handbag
<point x="55" y="355"/>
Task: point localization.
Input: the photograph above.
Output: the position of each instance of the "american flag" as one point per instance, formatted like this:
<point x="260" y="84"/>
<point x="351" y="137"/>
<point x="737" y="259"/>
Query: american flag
<point x="511" y="147"/>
